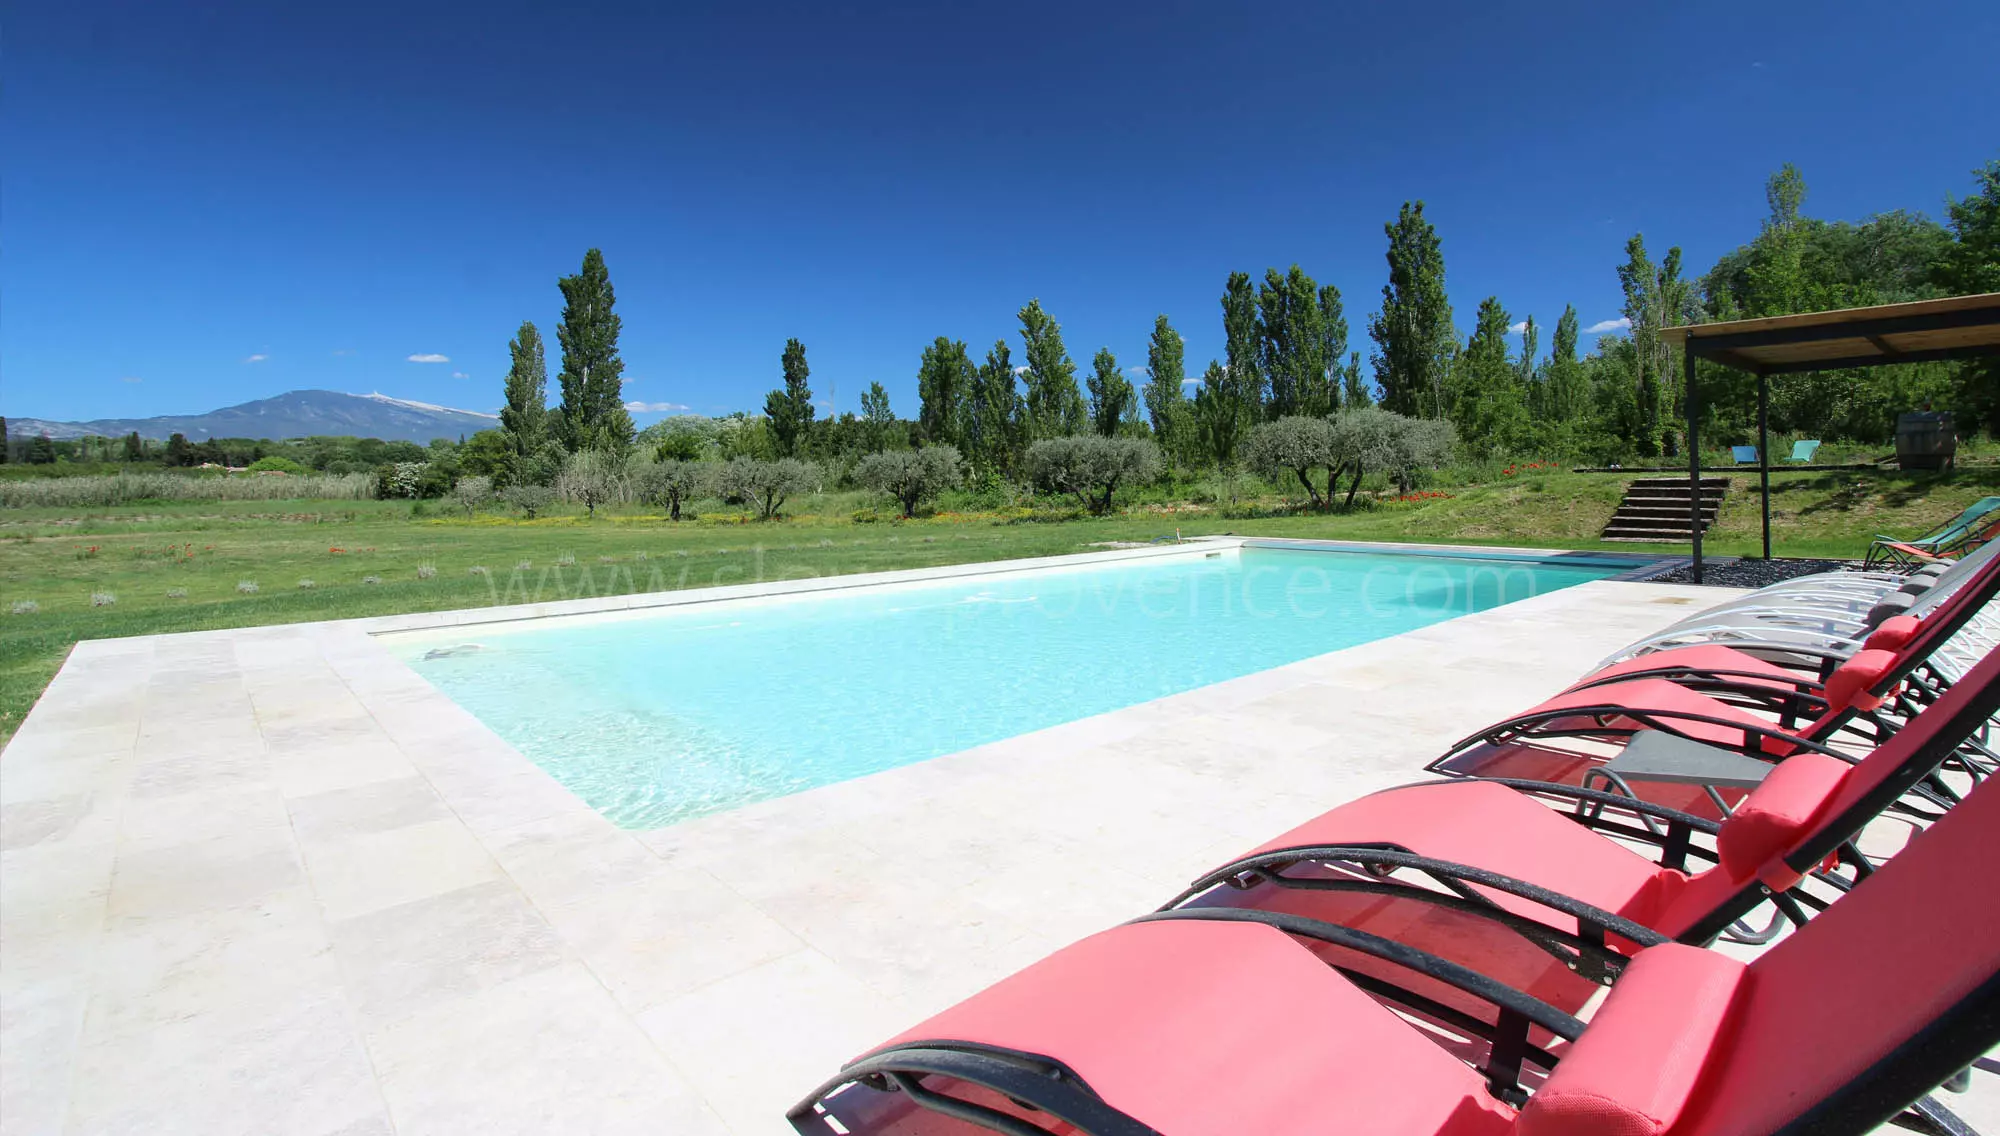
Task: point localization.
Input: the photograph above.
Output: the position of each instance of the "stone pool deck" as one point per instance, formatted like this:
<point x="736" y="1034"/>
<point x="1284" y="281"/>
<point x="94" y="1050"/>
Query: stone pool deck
<point x="270" y="881"/>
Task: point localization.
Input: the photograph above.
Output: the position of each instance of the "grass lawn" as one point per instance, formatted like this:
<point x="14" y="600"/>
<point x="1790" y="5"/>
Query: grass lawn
<point x="138" y="555"/>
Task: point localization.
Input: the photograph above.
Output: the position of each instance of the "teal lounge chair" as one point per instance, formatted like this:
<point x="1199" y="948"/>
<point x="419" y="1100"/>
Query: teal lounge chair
<point x="1745" y="455"/>
<point x="1803" y="451"/>
<point x="1971" y="528"/>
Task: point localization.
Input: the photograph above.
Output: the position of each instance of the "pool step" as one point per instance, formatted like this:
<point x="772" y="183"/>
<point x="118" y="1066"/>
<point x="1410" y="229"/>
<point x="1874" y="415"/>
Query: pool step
<point x="1657" y="510"/>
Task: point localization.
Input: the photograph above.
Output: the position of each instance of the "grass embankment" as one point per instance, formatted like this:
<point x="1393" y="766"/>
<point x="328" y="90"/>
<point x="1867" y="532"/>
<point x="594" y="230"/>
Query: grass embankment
<point x="177" y="566"/>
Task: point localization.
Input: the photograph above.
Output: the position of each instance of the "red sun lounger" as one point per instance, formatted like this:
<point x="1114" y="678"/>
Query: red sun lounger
<point x="1213" y="1022"/>
<point x="1571" y="737"/>
<point x="1471" y="869"/>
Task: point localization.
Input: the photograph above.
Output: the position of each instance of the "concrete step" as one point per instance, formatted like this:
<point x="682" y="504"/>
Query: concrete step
<point x="1658" y="482"/>
<point x="1667" y="538"/>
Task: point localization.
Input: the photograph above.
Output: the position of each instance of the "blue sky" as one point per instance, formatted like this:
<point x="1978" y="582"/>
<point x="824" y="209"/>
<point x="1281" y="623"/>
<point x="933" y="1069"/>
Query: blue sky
<point x="205" y="206"/>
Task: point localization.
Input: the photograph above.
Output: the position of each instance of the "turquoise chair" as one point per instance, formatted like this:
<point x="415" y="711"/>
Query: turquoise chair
<point x="1745" y="455"/>
<point x="1961" y="534"/>
<point x="1803" y="451"/>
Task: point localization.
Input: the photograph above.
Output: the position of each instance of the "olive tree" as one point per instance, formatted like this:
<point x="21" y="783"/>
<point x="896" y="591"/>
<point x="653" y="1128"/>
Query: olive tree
<point x="911" y="476"/>
<point x="591" y="478"/>
<point x="530" y="498"/>
<point x="668" y="483"/>
<point x="1298" y="446"/>
<point x="764" y="484"/>
<point x="472" y="491"/>
<point x="1369" y="438"/>
<point x="1091" y="467"/>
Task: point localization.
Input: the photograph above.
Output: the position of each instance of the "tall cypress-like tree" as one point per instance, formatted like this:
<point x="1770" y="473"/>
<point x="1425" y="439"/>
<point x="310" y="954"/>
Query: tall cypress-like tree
<point x="1353" y="388"/>
<point x="1112" y="399"/>
<point x="1054" y="405"/>
<point x="1566" y="375"/>
<point x="1222" y="413"/>
<point x="592" y="415"/>
<point x="944" y="383"/>
<point x="1487" y="404"/>
<point x="876" y="417"/>
<point x="523" y="419"/>
<point x="1166" y="380"/>
<point x="1413" y="333"/>
<point x="996" y="425"/>
<point x="1293" y="345"/>
<point x="1333" y="336"/>
<point x="1240" y="341"/>
<point x="789" y="409"/>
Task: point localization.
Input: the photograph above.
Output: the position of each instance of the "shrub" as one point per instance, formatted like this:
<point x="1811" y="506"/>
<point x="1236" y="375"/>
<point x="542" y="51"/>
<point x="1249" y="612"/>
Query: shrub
<point x="102" y="599"/>
<point x="276" y="464"/>
<point x="426" y="571"/>
<point x="524" y="565"/>
<point x="764" y="484"/>
<point x="471" y="492"/>
<point x="125" y="488"/>
<point x="177" y="593"/>
<point x="1091" y="467"/>
<point x="590" y="478"/>
<point x="246" y="587"/>
<point x="1296" y="447"/>
<point x="911" y="476"/>
<point x="371" y="579"/>
<point x="478" y="570"/>
<point x="566" y="560"/>
<point x="669" y="481"/>
<point x="531" y="499"/>
<point x="26" y="607"/>
<point x="306" y="585"/>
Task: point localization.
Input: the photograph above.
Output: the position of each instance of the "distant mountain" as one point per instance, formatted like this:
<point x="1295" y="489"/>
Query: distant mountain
<point x="294" y="414"/>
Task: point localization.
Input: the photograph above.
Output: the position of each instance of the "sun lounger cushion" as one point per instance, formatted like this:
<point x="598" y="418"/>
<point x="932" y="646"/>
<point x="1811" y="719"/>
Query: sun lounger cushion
<point x="1222" y="1028"/>
<point x="1893" y="604"/>
<point x="1772" y="818"/>
<point x="1633" y="1072"/>
<point x="1893" y="633"/>
<point x="1851" y="685"/>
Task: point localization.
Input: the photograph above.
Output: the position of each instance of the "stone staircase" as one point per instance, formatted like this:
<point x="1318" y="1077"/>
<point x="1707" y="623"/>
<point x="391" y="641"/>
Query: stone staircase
<point x="1657" y="509"/>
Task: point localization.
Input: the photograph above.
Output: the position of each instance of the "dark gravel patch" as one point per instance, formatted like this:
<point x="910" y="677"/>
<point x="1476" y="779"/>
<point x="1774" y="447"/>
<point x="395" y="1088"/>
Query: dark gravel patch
<point x="1752" y="573"/>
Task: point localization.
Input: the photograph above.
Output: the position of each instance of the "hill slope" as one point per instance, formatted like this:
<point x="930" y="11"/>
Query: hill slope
<point x="294" y="414"/>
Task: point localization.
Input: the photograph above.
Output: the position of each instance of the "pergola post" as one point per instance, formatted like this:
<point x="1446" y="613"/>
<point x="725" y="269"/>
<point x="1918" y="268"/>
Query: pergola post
<point x="1694" y="450"/>
<point x="1764" y="453"/>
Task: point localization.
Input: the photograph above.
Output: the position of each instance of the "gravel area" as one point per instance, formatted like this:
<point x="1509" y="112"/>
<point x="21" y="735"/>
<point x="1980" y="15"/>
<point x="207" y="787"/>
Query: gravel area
<point x="1753" y="573"/>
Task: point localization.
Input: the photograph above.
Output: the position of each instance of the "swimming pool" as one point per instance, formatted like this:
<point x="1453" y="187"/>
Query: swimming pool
<point x="672" y="714"/>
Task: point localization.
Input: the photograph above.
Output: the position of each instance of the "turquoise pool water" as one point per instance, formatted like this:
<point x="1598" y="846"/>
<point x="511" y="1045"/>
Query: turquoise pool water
<point x="662" y="717"/>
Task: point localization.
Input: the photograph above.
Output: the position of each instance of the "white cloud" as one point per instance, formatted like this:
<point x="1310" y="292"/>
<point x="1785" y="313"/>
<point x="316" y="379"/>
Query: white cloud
<point x="1135" y="372"/>
<point x="637" y="407"/>
<point x="1517" y="328"/>
<point x="1606" y="327"/>
<point x="430" y="357"/>
<point x="460" y="375"/>
<point x="131" y="379"/>
<point x="256" y="358"/>
<point x="1190" y="382"/>
<point x="1021" y="370"/>
<point x="343" y="351"/>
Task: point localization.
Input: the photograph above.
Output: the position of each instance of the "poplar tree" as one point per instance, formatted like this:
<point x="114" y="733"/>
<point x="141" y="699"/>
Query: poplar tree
<point x="1054" y="405"/>
<point x="1487" y="405"/>
<point x="592" y="415"/>
<point x="789" y="409"/>
<point x="944" y="382"/>
<point x="1112" y="399"/>
<point x="996" y="426"/>
<point x="876" y="416"/>
<point x="523" y="419"/>
<point x="1566" y="375"/>
<point x="1333" y="334"/>
<point x="1166" y="383"/>
<point x="1292" y="345"/>
<point x="1413" y="334"/>
<point x="1240" y="342"/>
<point x="1353" y="388"/>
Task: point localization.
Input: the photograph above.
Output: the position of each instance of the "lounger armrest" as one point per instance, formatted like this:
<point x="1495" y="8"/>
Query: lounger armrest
<point x="1663" y="758"/>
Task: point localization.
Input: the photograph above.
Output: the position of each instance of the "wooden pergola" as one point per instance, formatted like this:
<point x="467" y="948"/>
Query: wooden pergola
<point x="1957" y="327"/>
